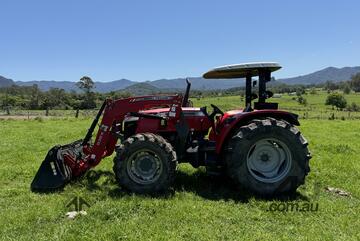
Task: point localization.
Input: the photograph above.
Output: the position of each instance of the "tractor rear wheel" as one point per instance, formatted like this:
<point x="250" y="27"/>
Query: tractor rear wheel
<point x="268" y="157"/>
<point x="145" y="163"/>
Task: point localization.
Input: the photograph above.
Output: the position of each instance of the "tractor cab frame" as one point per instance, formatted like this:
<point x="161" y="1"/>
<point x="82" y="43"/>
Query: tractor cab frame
<point x="248" y="71"/>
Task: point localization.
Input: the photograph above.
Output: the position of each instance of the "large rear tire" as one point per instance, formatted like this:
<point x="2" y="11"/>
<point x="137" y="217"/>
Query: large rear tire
<point x="268" y="157"/>
<point x="145" y="163"/>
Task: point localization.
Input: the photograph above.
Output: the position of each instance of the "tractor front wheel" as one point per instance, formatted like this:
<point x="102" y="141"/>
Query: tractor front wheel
<point x="145" y="163"/>
<point x="268" y="157"/>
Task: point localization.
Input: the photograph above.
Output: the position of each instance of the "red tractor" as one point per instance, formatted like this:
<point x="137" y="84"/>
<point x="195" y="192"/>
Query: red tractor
<point x="258" y="146"/>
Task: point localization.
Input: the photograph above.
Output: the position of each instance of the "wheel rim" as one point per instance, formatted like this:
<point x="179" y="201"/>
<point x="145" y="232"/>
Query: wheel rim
<point x="144" y="167"/>
<point x="269" y="160"/>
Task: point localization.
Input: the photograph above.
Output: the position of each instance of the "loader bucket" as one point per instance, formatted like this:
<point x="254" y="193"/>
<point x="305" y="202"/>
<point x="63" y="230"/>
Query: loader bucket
<point x="52" y="175"/>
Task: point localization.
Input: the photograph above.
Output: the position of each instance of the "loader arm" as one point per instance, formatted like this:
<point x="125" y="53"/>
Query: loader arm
<point x="114" y="114"/>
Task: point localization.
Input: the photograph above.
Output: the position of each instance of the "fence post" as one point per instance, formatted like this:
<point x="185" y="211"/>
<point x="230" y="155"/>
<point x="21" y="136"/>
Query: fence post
<point x="47" y="111"/>
<point x="77" y="113"/>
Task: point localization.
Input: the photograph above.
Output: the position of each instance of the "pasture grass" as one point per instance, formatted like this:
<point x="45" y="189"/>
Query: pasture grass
<point x="315" y="108"/>
<point x="199" y="207"/>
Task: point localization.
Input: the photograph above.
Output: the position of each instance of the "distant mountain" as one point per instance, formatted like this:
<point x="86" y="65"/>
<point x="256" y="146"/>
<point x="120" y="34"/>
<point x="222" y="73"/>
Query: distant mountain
<point x="102" y="87"/>
<point x="321" y="76"/>
<point x="163" y="84"/>
<point x="142" y="88"/>
<point x="47" y="84"/>
<point x="197" y="83"/>
<point x="4" y="82"/>
<point x="146" y="88"/>
<point x="330" y="73"/>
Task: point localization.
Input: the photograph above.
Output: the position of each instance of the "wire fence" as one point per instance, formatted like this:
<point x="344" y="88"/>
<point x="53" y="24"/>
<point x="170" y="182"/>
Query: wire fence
<point x="303" y="112"/>
<point x="326" y="114"/>
<point x="30" y="114"/>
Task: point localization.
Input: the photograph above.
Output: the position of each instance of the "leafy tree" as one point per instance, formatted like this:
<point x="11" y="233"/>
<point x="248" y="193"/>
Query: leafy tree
<point x="34" y="97"/>
<point x="300" y="91"/>
<point x="353" y="107"/>
<point x="9" y="101"/>
<point x="346" y="89"/>
<point x="355" y="82"/>
<point x="87" y="84"/>
<point x="119" y="94"/>
<point x="55" y="97"/>
<point x="302" y="101"/>
<point x="330" y="86"/>
<point x="337" y="100"/>
<point x="89" y="101"/>
<point x="313" y="91"/>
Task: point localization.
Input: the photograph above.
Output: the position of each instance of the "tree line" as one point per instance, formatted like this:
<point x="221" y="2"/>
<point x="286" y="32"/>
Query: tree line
<point x="31" y="97"/>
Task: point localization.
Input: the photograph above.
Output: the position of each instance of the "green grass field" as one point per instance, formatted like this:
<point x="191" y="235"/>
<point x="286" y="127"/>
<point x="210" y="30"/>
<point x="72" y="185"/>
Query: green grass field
<point x="315" y="109"/>
<point x="198" y="208"/>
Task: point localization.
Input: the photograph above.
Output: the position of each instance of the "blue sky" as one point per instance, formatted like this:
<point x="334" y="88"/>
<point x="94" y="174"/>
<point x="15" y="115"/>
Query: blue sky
<point x="148" y="40"/>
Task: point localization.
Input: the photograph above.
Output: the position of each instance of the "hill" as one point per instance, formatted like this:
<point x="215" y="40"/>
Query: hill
<point x="142" y="89"/>
<point x="198" y="83"/>
<point x="321" y="76"/>
<point x="102" y="87"/>
<point x="4" y="82"/>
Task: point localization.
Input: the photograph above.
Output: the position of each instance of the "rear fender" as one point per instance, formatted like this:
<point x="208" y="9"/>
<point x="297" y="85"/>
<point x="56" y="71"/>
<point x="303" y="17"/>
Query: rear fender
<point x="230" y="123"/>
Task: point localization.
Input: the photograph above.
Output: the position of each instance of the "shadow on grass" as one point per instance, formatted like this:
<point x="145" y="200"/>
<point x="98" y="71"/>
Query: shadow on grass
<point x="95" y="180"/>
<point x="199" y="183"/>
<point x="222" y="188"/>
<point x="217" y="187"/>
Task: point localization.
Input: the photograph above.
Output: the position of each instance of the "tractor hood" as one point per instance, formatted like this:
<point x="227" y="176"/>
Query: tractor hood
<point x="161" y="110"/>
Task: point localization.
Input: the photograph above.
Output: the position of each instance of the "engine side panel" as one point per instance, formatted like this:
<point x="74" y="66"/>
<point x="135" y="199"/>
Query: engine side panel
<point x="195" y="119"/>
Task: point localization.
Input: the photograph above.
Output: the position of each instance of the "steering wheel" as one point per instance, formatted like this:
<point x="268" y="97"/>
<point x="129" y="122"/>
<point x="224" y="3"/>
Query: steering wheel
<point x="216" y="110"/>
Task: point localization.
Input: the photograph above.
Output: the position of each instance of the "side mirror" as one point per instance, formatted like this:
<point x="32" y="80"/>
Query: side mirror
<point x="254" y="83"/>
